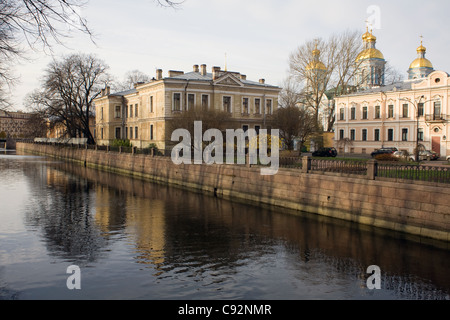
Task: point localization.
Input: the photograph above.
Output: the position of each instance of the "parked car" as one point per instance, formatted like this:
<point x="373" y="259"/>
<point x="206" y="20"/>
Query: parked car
<point x="383" y="151"/>
<point x="325" y="152"/>
<point x="424" y="155"/>
<point x="400" y="154"/>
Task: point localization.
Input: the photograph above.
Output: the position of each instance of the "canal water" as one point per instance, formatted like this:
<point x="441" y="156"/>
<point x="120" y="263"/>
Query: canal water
<point x="133" y="239"/>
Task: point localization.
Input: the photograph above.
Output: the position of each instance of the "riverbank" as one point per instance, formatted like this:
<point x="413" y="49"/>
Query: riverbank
<point x="415" y="209"/>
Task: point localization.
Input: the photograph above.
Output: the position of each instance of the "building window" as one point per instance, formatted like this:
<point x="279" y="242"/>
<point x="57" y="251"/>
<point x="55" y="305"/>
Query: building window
<point x="257" y="106"/>
<point x="404" y="134"/>
<point x="136" y="110"/>
<point x="405" y="110"/>
<point x="353" y="113"/>
<point x="257" y="128"/>
<point x="151" y="104"/>
<point x="390" y="111"/>
<point x="352" y="134"/>
<point x="205" y="102"/>
<point x="118" y="133"/>
<point x="390" y="134"/>
<point x="151" y="132"/>
<point x="245" y="105"/>
<point x="437" y="110"/>
<point x="227" y="104"/>
<point x="364" y="113"/>
<point x="269" y="106"/>
<point x="341" y="114"/>
<point x="136" y="133"/>
<point x="364" y="134"/>
<point x="421" y="109"/>
<point x="176" y="105"/>
<point x="101" y="113"/>
<point x="341" y="134"/>
<point x="131" y="133"/>
<point x="377" y="112"/>
<point x="420" y="134"/>
<point x="377" y="135"/>
<point x="191" y="101"/>
<point x="118" y="113"/>
<point x="101" y="133"/>
<point x="245" y="127"/>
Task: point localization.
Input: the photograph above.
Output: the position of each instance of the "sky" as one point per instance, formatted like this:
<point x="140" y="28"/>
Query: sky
<point x="253" y="37"/>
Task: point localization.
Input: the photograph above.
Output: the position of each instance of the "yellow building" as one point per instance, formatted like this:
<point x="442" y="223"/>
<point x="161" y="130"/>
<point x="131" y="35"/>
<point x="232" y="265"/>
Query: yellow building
<point x="141" y="114"/>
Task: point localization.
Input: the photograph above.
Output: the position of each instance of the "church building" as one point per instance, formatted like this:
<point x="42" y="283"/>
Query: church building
<point x="406" y="114"/>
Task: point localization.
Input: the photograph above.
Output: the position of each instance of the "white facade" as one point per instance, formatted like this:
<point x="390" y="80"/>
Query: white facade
<point x="401" y="115"/>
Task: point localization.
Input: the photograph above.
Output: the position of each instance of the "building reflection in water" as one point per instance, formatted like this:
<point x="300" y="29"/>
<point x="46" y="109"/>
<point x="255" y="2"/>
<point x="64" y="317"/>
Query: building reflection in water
<point x="176" y="231"/>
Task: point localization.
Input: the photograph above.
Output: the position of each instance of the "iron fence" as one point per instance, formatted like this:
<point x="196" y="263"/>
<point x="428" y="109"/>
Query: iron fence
<point x="339" y="166"/>
<point x="389" y="170"/>
<point x="439" y="174"/>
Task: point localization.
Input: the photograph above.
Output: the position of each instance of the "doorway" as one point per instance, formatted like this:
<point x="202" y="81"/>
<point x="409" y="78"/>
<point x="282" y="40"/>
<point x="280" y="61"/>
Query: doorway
<point x="436" y="144"/>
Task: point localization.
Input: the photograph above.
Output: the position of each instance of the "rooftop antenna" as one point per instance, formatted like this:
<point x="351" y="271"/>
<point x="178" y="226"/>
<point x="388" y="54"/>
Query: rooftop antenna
<point x="226" y="61"/>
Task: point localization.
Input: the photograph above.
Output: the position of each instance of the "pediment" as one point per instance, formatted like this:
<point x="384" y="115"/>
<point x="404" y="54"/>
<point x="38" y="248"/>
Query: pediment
<point x="228" y="80"/>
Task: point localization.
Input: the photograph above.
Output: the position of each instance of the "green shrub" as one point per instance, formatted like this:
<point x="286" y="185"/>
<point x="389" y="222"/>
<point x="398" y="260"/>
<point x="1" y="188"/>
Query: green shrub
<point x="121" y="143"/>
<point x="386" y="157"/>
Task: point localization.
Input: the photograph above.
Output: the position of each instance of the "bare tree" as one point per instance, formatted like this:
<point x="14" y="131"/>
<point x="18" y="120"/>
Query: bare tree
<point x="69" y="89"/>
<point x="291" y="93"/>
<point x="37" y="125"/>
<point x="326" y="66"/>
<point x="211" y="119"/>
<point x="344" y="143"/>
<point x="392" y="75"/>
<point x="39" y="23"/>
<point x="131" y="78"/>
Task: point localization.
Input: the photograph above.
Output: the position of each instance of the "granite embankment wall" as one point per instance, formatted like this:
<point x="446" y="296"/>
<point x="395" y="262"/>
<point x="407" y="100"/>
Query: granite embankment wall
<point x="417" y="209"/>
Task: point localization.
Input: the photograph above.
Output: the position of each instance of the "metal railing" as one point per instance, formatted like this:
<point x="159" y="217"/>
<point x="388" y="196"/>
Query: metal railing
<point x="372" y="169"/>
<point x="339" y="166"/>
<point x="414" y="172"/>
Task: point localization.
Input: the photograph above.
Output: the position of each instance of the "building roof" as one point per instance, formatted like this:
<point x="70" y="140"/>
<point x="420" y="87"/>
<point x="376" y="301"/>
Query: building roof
<point x="398" y="86"/>
<point x="197" y="76"/>
<point x="209" y="77"/>
<point x="124" y="93"/>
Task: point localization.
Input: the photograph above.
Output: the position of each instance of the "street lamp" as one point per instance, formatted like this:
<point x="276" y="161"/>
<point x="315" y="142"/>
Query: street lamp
<point x="416" y="106"/>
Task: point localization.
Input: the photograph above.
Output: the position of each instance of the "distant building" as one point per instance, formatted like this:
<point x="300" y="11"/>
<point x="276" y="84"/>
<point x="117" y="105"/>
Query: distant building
<point x="14" y="124"/>
<point x="59" y="130"/>
<point x="141" y="114"/>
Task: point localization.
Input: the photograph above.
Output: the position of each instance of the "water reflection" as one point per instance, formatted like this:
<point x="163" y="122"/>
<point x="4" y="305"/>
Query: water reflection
<point x="171" y="243"/>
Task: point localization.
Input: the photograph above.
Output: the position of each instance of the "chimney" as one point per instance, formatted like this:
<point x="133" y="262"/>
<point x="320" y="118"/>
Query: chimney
<point x="203" y="70"/>
<point x="243" y="77"/>
<point x="262" y="81"/>
<point x="195" y="67"/>
<point x="103" y="93"/>
<point x="174" y="73"/>
<point x="215" y="72"/>
<point x="158" y="74"/>
<point x="108" y="90"/>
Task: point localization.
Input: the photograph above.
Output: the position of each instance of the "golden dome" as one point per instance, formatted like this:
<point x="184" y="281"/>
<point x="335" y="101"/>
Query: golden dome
<point x="370" y="53"/>
<point x="316" y="65"/>
<point x="371" y="38"/>
<point x="421" y="63"/>
<point x="366" y="35"/>
<point x="421" y="48"/>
